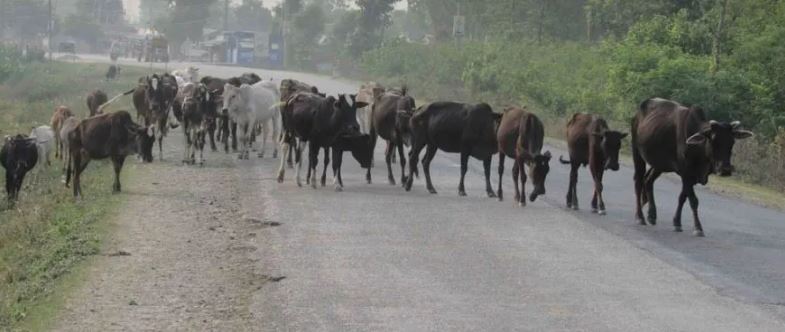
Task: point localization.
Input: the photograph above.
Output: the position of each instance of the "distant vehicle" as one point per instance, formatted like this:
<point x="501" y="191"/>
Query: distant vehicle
<point x="66" y="47"/>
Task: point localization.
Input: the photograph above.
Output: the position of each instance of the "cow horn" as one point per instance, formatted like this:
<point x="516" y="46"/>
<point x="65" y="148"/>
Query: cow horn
<point x="735" y="124"/>
<point x="712" y="122"/>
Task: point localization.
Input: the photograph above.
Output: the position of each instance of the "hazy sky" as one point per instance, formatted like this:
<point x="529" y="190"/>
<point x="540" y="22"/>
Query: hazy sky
<point x="132" y="6"/>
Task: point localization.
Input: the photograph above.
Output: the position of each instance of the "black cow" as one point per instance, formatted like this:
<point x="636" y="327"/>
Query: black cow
<point x="196" y="107"/>
<point x="455" y="128"/>
<point x="111" y="135"/>
<point x="18" y="156"/>
<point x="670" y="137"/>
<point x="321" y="122"/>
<point x="521" y="135"/>
<point x="390" y="115"/>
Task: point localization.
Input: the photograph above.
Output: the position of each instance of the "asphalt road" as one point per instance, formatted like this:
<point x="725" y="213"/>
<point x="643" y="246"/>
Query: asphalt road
<point x="377" y="258"/>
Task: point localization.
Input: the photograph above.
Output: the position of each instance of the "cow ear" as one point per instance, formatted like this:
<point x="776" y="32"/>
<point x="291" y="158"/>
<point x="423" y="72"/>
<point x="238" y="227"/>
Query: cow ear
<point x="623" y="135"/>
<point x="547" y="155"/>
<point x="360" y="104"/>
<point x="742" y="134"/>
<point x="697" y="139"/>
<point x="151" y="131"/>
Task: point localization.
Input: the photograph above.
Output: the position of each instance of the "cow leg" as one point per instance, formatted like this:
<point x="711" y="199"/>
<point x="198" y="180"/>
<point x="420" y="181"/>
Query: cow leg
<point x="161" y="144"/>
<point x="388" y="154"/>
<point x="464" y="168"/>
<point x="399" y="146"/>
<point x="515" y="174"/>
<point x="187" y="141"/>
<point x="682" y="198"/>
<point x="9" y="185"/>
<point x="598" y="204"/>
<point x="572" y="197"/>
<point x="337" y="161"/>
<point x="372" y="143"/>
<point x="522" y="174"/>
<point x="430" y="152"/>
<point x="80" y="164"/>
<point x="233" y="126"/>
<point x="326" y="163"/>
<point x="286" y="155"/>
<point x="414" y="156"/>
<point x="499" y="191"/>
<point x="276" y="133"/>
<point x="264" y="139"/>
<point x="117" y="162"/>
<point x="487" y="166"/>
<point x="299" y="160"/>
<point x="211" y="133"/>
<point x="694" y="205"/>
<point x="652" y="215"/>
<point x="225" y="132"/>
<point x="640" y="171"/>
<point x="313" y="161"/>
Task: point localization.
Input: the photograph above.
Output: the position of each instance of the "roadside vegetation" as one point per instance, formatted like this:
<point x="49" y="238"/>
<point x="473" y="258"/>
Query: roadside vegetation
<point x="45" y="235"/>
<point x="605" y="58"/>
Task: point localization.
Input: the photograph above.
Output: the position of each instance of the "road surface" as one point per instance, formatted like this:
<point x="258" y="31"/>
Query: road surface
<point x="225" y="247"/>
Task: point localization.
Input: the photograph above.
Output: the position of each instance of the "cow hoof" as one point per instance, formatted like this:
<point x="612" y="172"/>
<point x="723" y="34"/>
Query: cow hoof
<point x="261" y="155"/>
<point x="602" y="212"/>
<point x="698" y="233"/>
<point x="652" y="221"/>
<point x="280" y="178"/>
<point x="677" y="229"/>
<point x="461" y="193"/>
<point x="575" y="207"/>
<point x="522" y="204"/>
<point x="391" y="182"/>
<point x="491" y="194"/>
<point x="338" y="189"/>
<point x="431" y="190"/>
<point x="593" y="210"/>
<point x="641" y="221"/>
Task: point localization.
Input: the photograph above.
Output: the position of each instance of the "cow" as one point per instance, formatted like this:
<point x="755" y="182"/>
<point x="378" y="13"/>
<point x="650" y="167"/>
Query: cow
<point x="591" y="142"/>
<point x="111" y="135"/>
<point x="18" y="156"/>
<point x="195" y="116"/>
<point x="389" y="119"/>
<point x="249" y="105"/>
<point x="322" y="122"/>
<point x="45" y="143"/>
<point x="61" y="113"/>
<point x="670" y="137"/>
<point x="454" y="128"/>
<point x="188" y="75"/>
<point x="112" y="72"/>
<point x="95" y="99"/>
<point x="152" y="99"/>
<point x="216" y="87"/>
<point x="520" y="136"/>
<point x="68" y="126"/>
<point x="290" y="87"/>
<point x="368" y="93"/>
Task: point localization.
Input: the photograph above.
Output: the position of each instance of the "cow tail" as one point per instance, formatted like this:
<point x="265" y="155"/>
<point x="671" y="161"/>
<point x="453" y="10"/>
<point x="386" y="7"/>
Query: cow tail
<point x="69" y="169"/>
<point x="563" y="161"/>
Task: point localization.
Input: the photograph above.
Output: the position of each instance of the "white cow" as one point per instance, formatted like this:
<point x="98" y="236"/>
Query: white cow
<point x="45" y="142"/>
<point x="249" y="106"/>
<point x="367" y="94"/>
<point x="184" y="76"/>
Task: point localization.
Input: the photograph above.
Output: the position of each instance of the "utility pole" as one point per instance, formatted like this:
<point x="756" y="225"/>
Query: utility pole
<point x="50" y="30"/>
<point x="284" y="27"/>
<point x="226" y="15"/>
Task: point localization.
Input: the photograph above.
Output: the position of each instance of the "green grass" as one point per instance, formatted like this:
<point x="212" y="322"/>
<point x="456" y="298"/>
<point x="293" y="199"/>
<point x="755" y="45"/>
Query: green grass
<point x="46" y="236"/>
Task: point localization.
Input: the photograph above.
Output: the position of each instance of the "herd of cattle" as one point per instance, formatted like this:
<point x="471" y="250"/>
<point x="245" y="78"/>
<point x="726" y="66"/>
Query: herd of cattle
<point x="666" y="136"/>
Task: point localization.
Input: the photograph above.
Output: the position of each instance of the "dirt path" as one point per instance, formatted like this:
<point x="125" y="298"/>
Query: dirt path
<point x="180" y="256"/>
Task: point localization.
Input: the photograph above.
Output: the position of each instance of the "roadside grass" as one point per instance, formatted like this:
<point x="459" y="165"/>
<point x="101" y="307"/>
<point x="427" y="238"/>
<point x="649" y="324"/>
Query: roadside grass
<point x="45" y="236"/>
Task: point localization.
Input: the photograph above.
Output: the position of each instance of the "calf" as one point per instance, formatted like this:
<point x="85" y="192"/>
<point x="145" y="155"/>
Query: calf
<point x="95" y="99"/>
<point x="249" y="105"/>
<point x="60" y="114"/>
<point x="323" y="122"/>
<point x="151" y="100"/>
<point x="389" y="119"/>
<point x="455" y="128"/>
<point x="45" y="141"/>
<point x="111" y="135"/>
<point x="196" y="105"/>
<point x="592" y="143"/>
<point x="520" y="137"/>
<point x="18" y="156"/>
<point x="670" y="137"/>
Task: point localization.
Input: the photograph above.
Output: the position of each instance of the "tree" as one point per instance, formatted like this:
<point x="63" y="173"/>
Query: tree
<point x="186" y="20"/>
<point x="151" y="11"/>
<point x="252" y="16"/>
<point x="374" y="18"/>
<point x="307" y="27"/>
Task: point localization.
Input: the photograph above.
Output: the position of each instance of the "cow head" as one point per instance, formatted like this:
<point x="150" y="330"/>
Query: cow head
<point x="610" y="143"/>
<point x="539" y="166"/>
<point x="715" y="142"/>
<point x="234" y="98"/>
<point x="141" y="141"/>
<point x="359" y="145"/>
<point x="345" y="108"/>
<point x="154" y="94"/>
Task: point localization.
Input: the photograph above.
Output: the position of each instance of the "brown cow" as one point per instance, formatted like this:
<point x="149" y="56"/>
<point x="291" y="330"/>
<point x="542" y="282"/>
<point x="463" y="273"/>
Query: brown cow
<point x="670" y="137"/>
<point x="520" y="137"/>
<point x="111" y="135"/>
<point x="592" y="143"/>
<point x="390" y="115"/>
<point x="455" y="128"/>
<point x="60" y="114"/>
<point x="95" y="99"/>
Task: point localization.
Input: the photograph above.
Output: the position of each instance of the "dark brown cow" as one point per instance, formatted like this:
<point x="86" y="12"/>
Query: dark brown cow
<point x="152" y="106"/>
<point x="61" y="113"/>
<point x="520" y="137"/>
<point x="111" y="135"/>
<point x="455" y="128"/>
<point x="323" y="122"/>
<point x="195" y="115"/>
<point x="95" y="99"/>
<point x="390" y="115"/>
<point x="290" y="87"/>
<point x="669" y="137"/>
<point x="216" y="88"/>
<point x="592" y="143"/>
